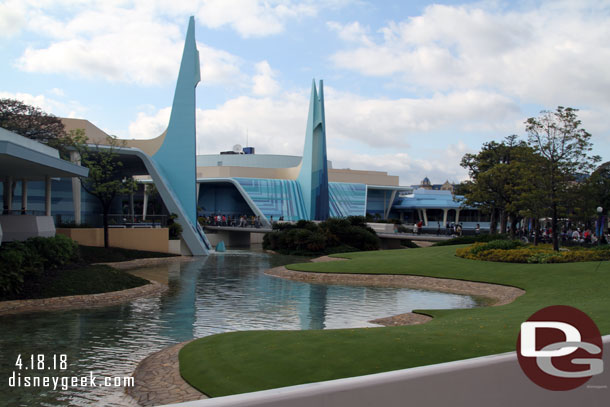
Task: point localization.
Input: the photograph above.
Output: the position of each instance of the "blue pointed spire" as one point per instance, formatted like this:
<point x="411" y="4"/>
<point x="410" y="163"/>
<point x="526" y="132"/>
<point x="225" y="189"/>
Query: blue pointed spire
<point x="177" y="155"/>
<point x="313" y="176"/>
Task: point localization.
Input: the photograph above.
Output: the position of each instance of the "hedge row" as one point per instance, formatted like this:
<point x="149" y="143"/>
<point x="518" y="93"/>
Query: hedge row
<point x="33" y="258"/>
<point x="330" y="236"/>
<point x="516" y="252"/>
<point x="471" y="239"/>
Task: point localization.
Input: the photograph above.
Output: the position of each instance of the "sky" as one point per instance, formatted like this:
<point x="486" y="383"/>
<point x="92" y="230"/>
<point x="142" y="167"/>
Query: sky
<point x="410" y="86"/>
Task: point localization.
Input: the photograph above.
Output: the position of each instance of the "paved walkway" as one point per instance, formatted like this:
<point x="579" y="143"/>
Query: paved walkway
<point x="158" y="381"/>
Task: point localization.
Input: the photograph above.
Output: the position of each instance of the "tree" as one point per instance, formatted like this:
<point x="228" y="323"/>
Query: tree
<point x="31" y="122"/>
<point x="106" y="179"/>
<point x="565" y="147"/>
<point x="498" y="177"/>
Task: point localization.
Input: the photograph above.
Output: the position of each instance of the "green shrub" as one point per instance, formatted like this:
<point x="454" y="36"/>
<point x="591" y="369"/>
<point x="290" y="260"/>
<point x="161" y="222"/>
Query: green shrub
<point x="471" y="239"/>
<point x="54" y="251"/>
<point x="530" y="254"/>
<point x="20" y="261"/>
<point x="409" y="243"/>
<point x="310" y="238"/>
<point x="496" y="245"/>
<point x="175" y="229"/>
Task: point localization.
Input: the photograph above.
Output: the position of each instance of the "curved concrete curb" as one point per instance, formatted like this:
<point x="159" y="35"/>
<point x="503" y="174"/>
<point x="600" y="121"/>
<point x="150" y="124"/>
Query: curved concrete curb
<point x="498" y="294"/>
<point x="81" y="301"/>
<point x="153" y="261"/>
<point x="158" y="381"/>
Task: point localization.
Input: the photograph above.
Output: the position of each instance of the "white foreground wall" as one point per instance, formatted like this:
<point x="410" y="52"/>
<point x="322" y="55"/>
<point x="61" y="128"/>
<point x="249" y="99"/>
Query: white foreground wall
<point x="495" y="380"/>
<point x="22" y="227"/>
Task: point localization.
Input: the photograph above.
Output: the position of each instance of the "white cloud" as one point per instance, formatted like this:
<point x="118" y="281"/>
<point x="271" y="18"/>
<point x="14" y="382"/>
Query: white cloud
<point x="264" y="83"/>
<point x="120" y="43"/>
<point x="274" y="125"/>
<point x="400" y="122"/>
<point x="48" y="105"/>
<point x="549" y="55"/>
<point x="374" y="134"/>
<point x="253" y="18"/>
<point x="220" y="67"/>
<point x="12" y="18"/>
<point x="147" y="126"/>
<point x="409" y="167"/>
<point x="352" y="32"/>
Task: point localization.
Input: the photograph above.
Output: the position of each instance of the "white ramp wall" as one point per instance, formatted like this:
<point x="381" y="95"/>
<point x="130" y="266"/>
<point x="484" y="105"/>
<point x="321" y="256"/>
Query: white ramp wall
<point x="495" y="380"/>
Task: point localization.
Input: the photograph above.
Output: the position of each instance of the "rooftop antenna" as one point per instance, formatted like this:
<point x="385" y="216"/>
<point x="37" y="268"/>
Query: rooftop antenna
<point x="247" y="137"/>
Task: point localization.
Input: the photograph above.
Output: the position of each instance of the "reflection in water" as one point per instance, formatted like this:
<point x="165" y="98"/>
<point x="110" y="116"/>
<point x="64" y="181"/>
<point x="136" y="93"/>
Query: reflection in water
<point x="313" y="311"/>
<point x="219" y="293"/>
<point x="179" y="306"/>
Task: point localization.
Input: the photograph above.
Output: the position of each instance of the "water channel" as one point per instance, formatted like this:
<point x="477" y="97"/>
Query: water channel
<point x="219" y="293"/>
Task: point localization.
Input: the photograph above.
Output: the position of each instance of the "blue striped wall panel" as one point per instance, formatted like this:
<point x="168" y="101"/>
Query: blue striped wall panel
<point x="347" y="199"/>
<point x="275" y="197"/>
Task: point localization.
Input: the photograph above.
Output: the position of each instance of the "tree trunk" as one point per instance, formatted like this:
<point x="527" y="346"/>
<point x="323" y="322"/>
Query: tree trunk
<point x="503" y="220"/>
<point x="105" y="217"/>
<point x="513" y="226"/>
<point x="554" y="227"/>
<point x="493" y="222"/>
<point x="536" y="231"/>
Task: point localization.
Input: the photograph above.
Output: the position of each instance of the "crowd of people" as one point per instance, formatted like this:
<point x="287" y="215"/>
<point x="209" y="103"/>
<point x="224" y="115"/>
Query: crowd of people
<point x="568" y="234"/>
<point x="242" y="221"/>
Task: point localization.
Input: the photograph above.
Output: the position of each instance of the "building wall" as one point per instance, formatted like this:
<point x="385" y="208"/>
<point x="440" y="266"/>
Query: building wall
<point x="275" y="197"/>
<point x="334" y="175"/>
<point x="222" y="199"/>
<point x="347" y="199"/>
<point x="62" y="207"/>
<point x="147" y="239"/>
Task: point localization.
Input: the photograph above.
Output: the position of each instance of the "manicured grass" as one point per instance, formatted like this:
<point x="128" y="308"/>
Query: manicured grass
<point x="239" y="362"/>
<point x="92" y="254"/>
<point x="81" y="277"/>
<point x="81" y="280"/>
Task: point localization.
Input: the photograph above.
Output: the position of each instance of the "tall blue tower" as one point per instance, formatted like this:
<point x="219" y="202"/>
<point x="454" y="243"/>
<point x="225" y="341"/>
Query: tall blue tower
<point x="313" y="176"/>
<point x="177" y="155"/>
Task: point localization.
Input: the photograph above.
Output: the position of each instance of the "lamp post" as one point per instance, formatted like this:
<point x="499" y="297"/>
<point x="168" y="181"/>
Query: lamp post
<point x="600" y="226"/>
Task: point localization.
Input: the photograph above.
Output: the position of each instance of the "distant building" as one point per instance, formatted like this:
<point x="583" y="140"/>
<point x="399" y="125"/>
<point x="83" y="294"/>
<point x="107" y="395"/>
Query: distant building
<point x="426" y="184"/>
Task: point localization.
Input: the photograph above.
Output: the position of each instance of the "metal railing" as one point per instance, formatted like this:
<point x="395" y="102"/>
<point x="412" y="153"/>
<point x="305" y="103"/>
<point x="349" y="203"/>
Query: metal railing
<point x="115" y="220"/>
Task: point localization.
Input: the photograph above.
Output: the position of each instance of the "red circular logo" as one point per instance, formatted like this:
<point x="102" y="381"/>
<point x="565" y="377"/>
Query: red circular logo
<point x="560" y="348"/>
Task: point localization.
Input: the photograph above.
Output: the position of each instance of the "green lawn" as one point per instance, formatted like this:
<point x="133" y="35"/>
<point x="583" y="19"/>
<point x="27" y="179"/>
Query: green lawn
<point x="239" y="362"/>
<point x="91" y="254"/>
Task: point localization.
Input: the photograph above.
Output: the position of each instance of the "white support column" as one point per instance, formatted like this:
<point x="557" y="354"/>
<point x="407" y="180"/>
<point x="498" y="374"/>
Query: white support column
<point x="47" y="196"/>
<point x="387" y="210"/>
<point x="24" y="196"/>
<point x="76" y="190"/>
<point x="445" y="210"/>
<point x="5" y="195"/>
<point x="131" y="208"/>
<point x="9" y="195"/>
<point x="457" y="216"/>
<point x="145" y="203"/>
<point x="197" y="185"/>
<point x="425" y="217"/>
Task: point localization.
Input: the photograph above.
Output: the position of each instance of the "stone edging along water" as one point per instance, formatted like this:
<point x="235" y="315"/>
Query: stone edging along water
<point x="497" y="294"/>
<point x="158" y="379"/>
<point x="158" y="382"/>
<point x="80" y="301"/>
<point x="94" y="300"/>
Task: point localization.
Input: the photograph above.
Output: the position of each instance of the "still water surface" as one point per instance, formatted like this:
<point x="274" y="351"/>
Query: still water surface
<point x="219" y="293"/>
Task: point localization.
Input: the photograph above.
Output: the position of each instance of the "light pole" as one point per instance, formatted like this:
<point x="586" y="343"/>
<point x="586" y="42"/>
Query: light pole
<point x="600" y="226"/>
